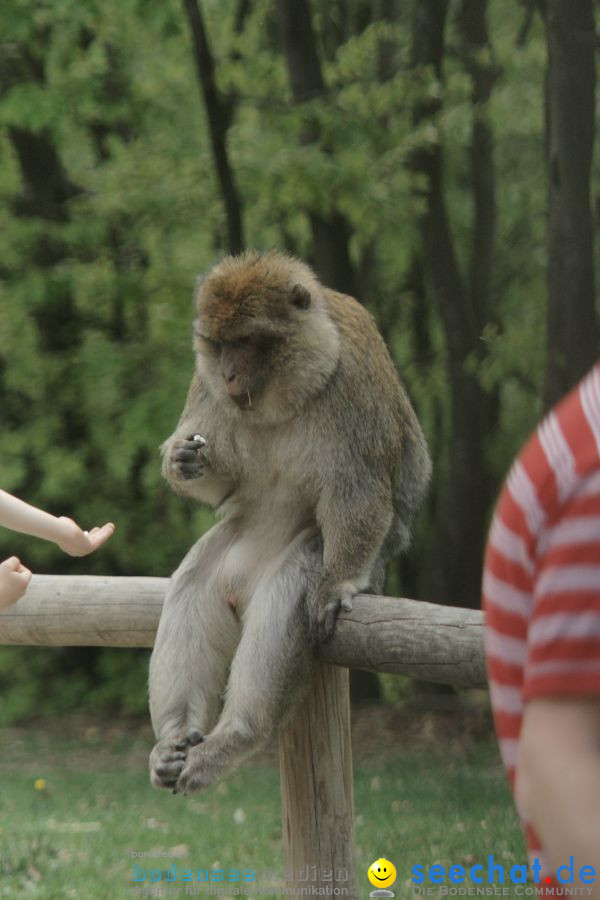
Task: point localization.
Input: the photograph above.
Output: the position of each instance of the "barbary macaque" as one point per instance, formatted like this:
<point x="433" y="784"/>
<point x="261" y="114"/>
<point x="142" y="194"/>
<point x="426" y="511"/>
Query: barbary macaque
<point x="297" y="429"/>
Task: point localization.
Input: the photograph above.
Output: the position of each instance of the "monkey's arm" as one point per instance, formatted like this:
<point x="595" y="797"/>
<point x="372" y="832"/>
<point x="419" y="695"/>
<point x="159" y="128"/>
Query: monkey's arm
<point x="354" y="522"/>
<point x="189" y="464"/>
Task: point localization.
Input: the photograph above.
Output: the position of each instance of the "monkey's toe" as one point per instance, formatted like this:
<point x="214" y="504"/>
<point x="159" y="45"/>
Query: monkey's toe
<point x="193" y="784"/>
<point x="166" y="763"/>
<point x="204" y="765"/>
<point x="326" y="622"/>
<point x="194" y="779"/>
<point x="170" y="770"/>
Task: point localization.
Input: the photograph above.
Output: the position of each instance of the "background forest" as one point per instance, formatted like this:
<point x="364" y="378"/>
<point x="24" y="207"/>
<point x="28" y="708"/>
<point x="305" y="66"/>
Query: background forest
<point x="433" y="158"/>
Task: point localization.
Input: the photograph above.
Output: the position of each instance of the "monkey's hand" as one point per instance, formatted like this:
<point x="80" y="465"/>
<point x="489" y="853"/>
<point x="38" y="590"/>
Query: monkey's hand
<point x="325" y="606"/>
<point x="186" y="459"/>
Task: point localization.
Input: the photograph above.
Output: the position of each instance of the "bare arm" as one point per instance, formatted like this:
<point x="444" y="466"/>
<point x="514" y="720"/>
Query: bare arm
<point x="20" y="516"/>
<point x="558" y="780"/>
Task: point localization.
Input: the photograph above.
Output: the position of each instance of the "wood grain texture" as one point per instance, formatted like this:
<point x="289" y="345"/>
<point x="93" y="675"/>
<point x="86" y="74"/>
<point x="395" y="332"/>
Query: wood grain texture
<point x="315" y="758"/>
<point x="381" y="634"/>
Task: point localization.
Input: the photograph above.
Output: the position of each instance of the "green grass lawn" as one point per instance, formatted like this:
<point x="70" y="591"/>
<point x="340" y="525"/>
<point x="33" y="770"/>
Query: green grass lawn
<point x="424" y="793"/>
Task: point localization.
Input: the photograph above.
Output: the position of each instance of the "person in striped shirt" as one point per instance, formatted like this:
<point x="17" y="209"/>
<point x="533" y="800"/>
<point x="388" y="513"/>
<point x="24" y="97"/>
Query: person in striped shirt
<point x="541" y="595"/>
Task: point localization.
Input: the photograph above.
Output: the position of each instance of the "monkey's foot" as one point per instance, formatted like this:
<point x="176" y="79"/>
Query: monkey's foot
<point x="325" y="607"/>
<point x="168" y="757"/>
<point x="206" y="763"/>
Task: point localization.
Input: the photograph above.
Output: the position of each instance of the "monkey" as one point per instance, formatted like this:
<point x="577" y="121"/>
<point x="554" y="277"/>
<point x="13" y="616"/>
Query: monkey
<point x="298" y="431"/>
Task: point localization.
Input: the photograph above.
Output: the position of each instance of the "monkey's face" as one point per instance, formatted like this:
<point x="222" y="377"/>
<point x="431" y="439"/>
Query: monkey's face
<point x="243" y="365"/>
<point x="263" y="338"/>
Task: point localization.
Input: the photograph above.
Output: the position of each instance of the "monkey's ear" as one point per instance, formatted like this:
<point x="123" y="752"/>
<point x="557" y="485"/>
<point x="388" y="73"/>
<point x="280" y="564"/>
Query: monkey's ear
<point x="300" y="296"/>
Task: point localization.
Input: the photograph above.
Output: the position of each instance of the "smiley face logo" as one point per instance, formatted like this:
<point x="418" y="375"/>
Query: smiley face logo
<point x="381" y="873"/>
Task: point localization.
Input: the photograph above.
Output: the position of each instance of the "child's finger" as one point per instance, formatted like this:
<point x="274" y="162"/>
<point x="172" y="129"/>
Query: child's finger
<point x="25" y="574"/>
<point x="99" y="536"/>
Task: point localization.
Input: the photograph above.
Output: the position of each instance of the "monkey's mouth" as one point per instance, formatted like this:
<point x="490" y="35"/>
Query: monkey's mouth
<point x="242" y="401"/>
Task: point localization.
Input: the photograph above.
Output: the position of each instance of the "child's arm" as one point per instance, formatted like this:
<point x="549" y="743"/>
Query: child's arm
<point x="20" y="516"/>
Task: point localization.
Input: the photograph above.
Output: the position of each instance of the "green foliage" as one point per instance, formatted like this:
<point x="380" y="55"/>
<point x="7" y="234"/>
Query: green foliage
<point x="60" y="680"/>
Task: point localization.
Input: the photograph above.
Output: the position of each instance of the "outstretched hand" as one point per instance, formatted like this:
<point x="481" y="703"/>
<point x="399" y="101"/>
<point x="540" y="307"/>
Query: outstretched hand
<point x="76" y="542"/>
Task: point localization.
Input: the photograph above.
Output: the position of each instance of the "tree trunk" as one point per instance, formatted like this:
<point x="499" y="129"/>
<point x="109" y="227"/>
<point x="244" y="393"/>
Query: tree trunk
<point x="572" y="328"/>
<point x="330" y="233"/>
<point x="465" y="493"/>
<point x="218" y="113"/>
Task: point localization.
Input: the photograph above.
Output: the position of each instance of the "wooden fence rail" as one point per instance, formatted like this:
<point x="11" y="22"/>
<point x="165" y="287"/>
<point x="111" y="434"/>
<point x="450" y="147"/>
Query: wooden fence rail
<point x="381" y="634"/>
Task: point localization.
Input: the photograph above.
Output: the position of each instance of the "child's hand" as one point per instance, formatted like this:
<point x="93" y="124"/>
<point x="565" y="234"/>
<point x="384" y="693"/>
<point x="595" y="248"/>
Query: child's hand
<point x="76" y="542"/>
<point x="14" y="579"/>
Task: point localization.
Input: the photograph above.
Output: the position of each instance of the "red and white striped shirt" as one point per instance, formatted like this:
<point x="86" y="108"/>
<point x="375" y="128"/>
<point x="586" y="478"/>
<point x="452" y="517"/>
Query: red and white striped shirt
<point x="541" y="584"/>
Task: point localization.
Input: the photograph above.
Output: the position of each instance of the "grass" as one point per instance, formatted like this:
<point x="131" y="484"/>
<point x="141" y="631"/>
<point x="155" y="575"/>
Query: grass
<point x="424" y="793"/>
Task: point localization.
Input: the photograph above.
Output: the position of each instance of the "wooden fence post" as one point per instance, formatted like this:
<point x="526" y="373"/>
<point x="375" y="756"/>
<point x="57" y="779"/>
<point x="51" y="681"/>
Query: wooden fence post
<point x="315" y="756"/>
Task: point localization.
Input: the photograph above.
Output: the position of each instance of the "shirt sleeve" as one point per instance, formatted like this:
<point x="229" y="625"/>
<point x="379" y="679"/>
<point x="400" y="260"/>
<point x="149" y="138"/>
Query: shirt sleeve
<point x="563" y="639"/>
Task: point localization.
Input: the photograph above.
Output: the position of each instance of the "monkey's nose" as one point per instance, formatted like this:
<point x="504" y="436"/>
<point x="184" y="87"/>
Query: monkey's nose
<point x="235" y="385"/>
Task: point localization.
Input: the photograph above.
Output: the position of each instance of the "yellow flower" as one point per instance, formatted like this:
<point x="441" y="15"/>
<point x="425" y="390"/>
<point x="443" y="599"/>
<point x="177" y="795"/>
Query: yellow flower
<point x="39" y="784"/>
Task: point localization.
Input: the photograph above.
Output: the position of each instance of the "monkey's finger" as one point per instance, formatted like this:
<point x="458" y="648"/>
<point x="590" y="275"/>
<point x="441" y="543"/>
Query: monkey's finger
<point x="193" y="446"/>
<point x="347" y="604"/>
<point x="189" y="470"/>
<point x="186" y="454"/>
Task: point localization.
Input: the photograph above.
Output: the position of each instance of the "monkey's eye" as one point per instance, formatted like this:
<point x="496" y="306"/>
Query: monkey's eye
<point x="208" y="342"/>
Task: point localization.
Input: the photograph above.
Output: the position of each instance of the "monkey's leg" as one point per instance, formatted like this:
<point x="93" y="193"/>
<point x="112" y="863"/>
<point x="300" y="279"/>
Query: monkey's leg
<point x="270" y="669"/>
<point x="195" y="642"/>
